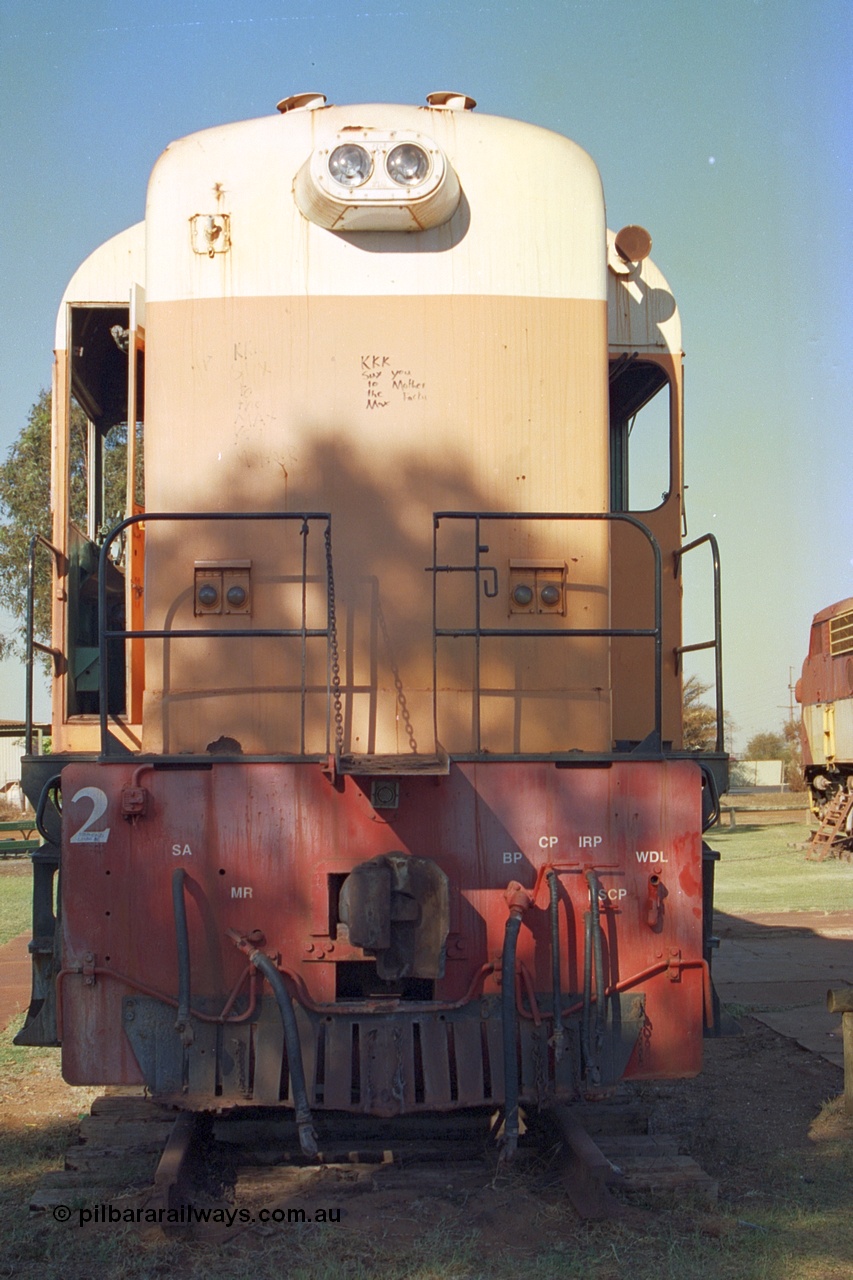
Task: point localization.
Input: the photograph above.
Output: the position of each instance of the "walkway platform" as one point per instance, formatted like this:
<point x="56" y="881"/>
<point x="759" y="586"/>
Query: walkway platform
<point x="778" y="968"/>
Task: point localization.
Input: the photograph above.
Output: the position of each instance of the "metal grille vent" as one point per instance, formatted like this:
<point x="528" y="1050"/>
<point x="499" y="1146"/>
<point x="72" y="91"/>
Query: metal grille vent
<point x="841" y="633"/>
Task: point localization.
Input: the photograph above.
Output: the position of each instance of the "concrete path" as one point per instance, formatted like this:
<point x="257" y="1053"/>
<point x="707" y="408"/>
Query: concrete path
<point x="779" y="968"/>
<point x="15" y="978"/>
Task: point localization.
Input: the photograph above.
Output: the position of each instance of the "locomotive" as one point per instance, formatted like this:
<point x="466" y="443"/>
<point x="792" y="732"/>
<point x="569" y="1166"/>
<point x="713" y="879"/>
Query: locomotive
<point x="825" y="692"/>
<point x="367" y="791"/>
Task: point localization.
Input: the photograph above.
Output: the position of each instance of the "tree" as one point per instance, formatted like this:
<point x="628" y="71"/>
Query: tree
<point x="784" y="746"/>
<point x="25" y="507"/>
<point x="794" y="774"/>
<point x="765" y="746"/>
<point x="700" y="719"/>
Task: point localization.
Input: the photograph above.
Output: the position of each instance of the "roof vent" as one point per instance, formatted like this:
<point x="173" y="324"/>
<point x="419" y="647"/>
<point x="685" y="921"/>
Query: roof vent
<point x="301" y="102"/>
<point x="444" y="100"/>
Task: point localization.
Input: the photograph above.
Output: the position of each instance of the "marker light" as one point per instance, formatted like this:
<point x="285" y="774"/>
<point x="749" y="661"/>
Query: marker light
<point x="350" y="165"/>
<point x="407" y="164"/>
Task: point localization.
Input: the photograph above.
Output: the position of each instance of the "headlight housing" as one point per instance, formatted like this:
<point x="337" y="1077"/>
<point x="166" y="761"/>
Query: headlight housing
<point x="370" y="180"/>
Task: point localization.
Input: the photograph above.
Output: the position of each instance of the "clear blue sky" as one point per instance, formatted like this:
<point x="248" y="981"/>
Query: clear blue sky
<point x="724" y="126"/>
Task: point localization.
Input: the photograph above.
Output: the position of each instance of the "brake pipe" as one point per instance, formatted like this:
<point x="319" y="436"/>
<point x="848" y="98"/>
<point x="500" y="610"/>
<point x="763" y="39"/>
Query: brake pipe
<point x="179" y="906"/>
<point x="290" y="1027"/>
<point x="598" y="955"/>
<point x="585" y="1006"/>
<point x="626" y="983"/>
<point x="524" y="979"/>
<point x="544" y="871"/>
<point x="518" y="900"/>
<point x="556" y="994"/>
<point x="304" y="1123"/>
<point x="250" y="972"/>
<point x="344" y="1007"/>
<point x="663" y="966"/>
<point x="103" y="971"/>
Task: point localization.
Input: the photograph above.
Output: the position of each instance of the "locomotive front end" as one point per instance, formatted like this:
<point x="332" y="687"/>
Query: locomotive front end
<point x="373" y="796"/>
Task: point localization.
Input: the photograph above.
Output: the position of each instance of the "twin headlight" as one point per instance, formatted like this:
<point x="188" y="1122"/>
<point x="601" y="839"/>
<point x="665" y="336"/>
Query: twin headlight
<point x="351" y="165"/>
<point x="378" y="183"/>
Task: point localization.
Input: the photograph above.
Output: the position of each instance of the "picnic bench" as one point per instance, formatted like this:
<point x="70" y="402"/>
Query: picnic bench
<point x="28" y="838"/>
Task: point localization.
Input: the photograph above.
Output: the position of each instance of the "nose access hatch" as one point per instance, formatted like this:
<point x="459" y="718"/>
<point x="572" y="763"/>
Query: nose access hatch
<point x="396" y="908"/>
<point x="370" y="180"/>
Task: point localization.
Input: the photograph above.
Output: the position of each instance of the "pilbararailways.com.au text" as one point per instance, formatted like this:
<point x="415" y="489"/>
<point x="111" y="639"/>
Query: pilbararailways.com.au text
<point x="189" y="1214"/>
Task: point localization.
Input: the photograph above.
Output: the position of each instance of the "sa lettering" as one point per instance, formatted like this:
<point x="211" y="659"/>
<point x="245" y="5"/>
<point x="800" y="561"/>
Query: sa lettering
<point x="181" y="851"/>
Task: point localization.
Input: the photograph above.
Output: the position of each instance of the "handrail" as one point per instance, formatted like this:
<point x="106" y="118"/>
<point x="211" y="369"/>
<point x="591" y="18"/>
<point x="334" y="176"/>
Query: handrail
<point x="32" y="644"/>
<point x="717" y="643"/>
<point x="302" y="632"/>
<point x="478" y="632"/>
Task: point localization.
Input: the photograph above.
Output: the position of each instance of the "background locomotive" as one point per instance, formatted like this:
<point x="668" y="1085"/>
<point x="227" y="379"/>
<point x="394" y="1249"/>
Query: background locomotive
<point x="377" y="705"/>
<point x="825" y="691"/>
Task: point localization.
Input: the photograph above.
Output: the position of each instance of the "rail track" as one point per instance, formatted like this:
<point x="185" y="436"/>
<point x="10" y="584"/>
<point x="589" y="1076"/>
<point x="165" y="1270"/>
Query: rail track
<point x="215" y="1176"/>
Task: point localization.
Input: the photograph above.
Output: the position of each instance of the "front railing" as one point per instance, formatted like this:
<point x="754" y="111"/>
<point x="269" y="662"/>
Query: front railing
<point x="475" y="565"/>
<point x="488" y="574"/>
<point x="717" y="643"/>
<point x="303" y="633"/>
<point x="60" y="562"/>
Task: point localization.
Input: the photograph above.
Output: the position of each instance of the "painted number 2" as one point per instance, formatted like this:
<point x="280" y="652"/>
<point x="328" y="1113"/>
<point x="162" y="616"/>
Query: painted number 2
<point x="99" y="807"/>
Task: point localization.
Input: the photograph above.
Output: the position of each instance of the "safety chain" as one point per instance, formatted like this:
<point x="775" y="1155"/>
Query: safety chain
<point x="644" y="1040"/>
<point x="540" y="1073"/>
<point x="333" y="645"/>
<point x="405" y="714"/>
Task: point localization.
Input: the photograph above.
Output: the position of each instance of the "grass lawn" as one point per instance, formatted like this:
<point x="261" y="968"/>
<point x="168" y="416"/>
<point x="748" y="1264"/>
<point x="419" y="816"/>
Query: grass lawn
<point x="16" y="898"/>
<point x="765" y="869"/>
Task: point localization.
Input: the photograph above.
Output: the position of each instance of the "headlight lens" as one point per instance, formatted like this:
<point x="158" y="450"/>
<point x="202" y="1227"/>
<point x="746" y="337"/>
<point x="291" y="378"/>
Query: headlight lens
<point x="408" y="164"/>
<point x="350" y="165"/>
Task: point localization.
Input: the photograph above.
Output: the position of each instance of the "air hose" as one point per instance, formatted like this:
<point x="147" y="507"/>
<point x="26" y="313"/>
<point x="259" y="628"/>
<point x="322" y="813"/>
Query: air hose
<point x="182" y="1023"/>
<point x="556" y="994"/>
<point x="519" y="900"/>
<point x="304" y="1125"/>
